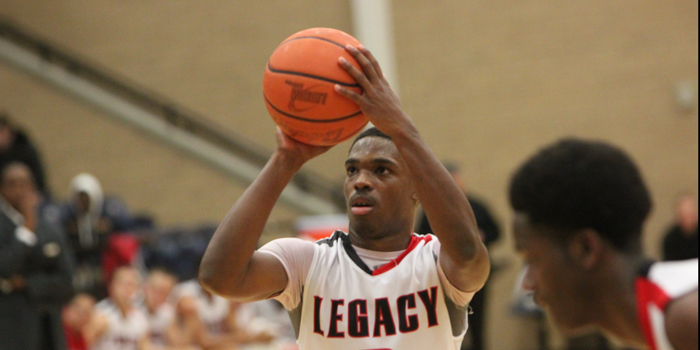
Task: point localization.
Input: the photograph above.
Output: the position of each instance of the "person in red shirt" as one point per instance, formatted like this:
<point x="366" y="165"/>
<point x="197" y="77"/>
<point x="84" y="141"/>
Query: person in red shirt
<point x="75" y="317"/>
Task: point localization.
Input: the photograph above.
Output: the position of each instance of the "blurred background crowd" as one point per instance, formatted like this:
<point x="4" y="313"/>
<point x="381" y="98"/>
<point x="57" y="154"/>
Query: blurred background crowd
<point x="88" y="258"/>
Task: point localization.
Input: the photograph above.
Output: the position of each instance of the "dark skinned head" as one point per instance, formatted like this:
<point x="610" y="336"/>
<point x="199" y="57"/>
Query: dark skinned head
<point x="380" y="197"/>
<point x="578" y="203"/>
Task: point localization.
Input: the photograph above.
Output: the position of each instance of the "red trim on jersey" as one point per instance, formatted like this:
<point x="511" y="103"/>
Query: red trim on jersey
<point x="415" y="240"/>
<point x="649" y="293"/>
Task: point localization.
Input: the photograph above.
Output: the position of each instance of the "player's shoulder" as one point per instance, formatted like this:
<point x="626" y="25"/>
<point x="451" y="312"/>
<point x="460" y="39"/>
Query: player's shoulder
<point x="676" y="278"/>
<point x="106" y="306"/>
<point x="682" y="321"/>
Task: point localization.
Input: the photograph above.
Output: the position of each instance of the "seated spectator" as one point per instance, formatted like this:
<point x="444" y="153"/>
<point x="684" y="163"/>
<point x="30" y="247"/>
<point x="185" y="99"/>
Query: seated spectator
<point x="90" y="218"/>
<point x="76" y="317"/>
<point x="187" y="332"/>
<point x="118" y="324"/>
<point x="160" y="313"/>
<point x="268" y="317"/>
<point x="15" y="146"/>
<point x="218" y="318"/>
<point x="681" y="239"/>
<point x="36" y="266"/>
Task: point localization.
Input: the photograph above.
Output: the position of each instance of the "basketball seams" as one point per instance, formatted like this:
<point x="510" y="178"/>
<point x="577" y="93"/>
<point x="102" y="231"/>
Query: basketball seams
<point x="306" y="119"/>
<point x="298" y="88"/>
<point x="279" y="71"/>
<point x="313" y="37"/>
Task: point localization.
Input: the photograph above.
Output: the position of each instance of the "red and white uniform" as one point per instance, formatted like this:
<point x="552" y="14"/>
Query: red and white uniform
<point x="158" y="324"/>
<point x="656" y="288"/>
<point x="213" y="310"/>
<point x="403" y="303"/>
<point x="123" y="333"/>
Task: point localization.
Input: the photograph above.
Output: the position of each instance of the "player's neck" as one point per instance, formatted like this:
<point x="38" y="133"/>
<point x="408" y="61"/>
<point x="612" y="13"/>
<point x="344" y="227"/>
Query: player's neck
<point x="619" y="300"/>
<point x="390" y="242"/>
<point x="124" y="308"/>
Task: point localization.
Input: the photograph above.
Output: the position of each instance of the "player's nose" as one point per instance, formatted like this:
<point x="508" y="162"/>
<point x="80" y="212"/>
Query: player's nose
<point x="363" y="182"/>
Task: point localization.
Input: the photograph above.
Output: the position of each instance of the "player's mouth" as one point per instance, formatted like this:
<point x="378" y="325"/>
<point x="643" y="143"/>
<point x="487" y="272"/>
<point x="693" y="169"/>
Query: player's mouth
<point x="361" y="205"/>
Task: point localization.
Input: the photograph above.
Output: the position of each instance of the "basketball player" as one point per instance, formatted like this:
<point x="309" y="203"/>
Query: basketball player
<point x="217" y="316"/>
<point x="580" y="208"/>
<point x="378" y="286"/>
<point x="159" y="312"/>
<point x="76" y="316"/>
<point x="118" y="324"/>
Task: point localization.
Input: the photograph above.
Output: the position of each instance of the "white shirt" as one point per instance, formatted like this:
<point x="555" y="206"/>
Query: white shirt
<point x="656" y="289"/>
<point x="158" y="324"/>
<point x="123" y="333"/>
<point x="213" y="310"/>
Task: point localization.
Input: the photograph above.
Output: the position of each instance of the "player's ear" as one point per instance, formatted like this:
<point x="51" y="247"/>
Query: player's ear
<point x="586" y="248"/>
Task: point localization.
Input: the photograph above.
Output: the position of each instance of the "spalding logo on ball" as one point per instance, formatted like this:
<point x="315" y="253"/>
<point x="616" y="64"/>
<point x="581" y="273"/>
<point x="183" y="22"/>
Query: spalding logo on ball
<point x="299" y="88"/>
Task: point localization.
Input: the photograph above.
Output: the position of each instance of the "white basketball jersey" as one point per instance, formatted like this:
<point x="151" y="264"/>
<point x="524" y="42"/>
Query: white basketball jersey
<point x="657" y="287"/>
<point x="158" y="324"/>
<point x="123" y="333"/>
<point x="400" y="306"/>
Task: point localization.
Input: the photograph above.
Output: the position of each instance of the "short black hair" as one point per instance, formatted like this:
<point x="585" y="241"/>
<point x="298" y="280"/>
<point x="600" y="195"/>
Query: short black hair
<point x="577" y="184"/>
<point x="6" y="167"/>
<point x="371" y="132"/>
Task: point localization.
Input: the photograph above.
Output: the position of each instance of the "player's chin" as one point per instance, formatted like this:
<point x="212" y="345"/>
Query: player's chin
<point x="569" y="323"/>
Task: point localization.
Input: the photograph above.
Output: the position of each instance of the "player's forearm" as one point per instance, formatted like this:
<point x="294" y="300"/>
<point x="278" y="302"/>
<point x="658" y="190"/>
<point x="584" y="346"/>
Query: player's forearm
<point x="226" y="259"/>
<point x="446" y="206"/>
<point x="464" y="257"/>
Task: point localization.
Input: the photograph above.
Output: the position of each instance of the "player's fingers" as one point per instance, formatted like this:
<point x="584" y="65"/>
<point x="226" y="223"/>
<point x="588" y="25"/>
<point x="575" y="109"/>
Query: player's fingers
<point x="360" y="77"/>
<point x="373" y="60"/>
<point x="351" y="95"/>
<point x="364" y="62"/>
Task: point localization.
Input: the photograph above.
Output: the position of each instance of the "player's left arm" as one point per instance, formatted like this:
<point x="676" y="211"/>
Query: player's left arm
<point x="463" y="256"/>
<point x="682" y="322"/>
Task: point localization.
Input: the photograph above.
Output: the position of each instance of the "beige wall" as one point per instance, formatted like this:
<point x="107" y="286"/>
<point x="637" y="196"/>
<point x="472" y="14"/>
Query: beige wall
<point x="487" y="82"/>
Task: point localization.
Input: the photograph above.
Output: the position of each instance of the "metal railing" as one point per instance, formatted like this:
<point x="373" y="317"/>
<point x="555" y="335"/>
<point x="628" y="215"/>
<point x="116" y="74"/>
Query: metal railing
<point x="309" y="192"/>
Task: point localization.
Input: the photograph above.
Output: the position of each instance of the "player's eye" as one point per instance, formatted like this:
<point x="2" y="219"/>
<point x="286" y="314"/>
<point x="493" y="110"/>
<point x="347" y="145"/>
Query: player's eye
<point x="351" y="170"/>
<point x="381" y="171"/>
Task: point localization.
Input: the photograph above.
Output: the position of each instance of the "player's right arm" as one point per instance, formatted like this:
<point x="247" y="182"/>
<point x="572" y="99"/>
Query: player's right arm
<point x="231" y="267"/>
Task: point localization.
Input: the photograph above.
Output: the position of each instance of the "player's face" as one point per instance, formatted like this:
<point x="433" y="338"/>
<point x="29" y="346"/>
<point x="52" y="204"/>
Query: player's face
<point x="378" y="189"/>
<point x="157" y="290"/>
<point x="124" y="286"/>
<point x="83" y="308"/>
<point x="551" y="276"/>
<point x="17" y="185"/>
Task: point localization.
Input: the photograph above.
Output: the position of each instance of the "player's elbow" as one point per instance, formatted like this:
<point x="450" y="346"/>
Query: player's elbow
<point x="211" y="281"/>
<point x="217" y="282"/>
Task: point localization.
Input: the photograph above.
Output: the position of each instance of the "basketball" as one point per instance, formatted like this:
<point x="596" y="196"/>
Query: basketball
<point x="299" y="88"/>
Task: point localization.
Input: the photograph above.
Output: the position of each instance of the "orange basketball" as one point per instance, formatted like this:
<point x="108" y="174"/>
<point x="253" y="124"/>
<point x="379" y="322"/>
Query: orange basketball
<point x="299" y="88"/>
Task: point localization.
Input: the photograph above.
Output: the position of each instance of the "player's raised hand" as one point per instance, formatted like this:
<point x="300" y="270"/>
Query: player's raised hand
<point x="378" y="101"/>
<point x="299" y="152"/>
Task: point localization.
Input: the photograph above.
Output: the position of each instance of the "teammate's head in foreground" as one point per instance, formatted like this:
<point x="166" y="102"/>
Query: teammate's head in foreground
<point x="380" y="196"/>
<point x="580" y="207"/>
